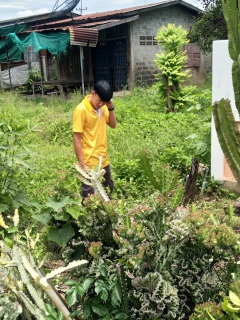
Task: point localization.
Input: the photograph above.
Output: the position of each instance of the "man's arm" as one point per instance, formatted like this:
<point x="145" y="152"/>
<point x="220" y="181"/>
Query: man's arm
<point x="112" y="122"/>
<point x="78" y="148"/>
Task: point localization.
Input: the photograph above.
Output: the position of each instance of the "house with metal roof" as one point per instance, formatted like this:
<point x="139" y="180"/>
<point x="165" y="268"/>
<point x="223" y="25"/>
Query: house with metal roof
<point x="118" y="46"/>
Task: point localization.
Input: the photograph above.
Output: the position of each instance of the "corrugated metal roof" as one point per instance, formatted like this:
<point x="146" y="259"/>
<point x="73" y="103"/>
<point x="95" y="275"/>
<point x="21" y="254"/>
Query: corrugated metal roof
<point x="123" y="12"/>
<point x="116" y="22"/>
<point x="83" y="37"/>
<point x="50" y="26"/>
<point x="46" y="17"/>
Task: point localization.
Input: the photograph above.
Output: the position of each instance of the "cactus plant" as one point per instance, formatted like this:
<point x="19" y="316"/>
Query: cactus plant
<point x="231" y="13"/>
<point x="92" y="178"/>
<point x="226" y="128"/>
<point x="166" y="181"/>
<point x="27" y="280"/>
<point x="228" y="135"/>
<point x="9" y="310"/>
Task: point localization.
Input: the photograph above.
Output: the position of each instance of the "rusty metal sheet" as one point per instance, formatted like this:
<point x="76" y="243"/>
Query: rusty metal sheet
<point x="83" y="36"/>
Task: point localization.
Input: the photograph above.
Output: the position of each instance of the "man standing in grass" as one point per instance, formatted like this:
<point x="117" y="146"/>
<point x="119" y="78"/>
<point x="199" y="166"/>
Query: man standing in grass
<point x="90" y="120"/>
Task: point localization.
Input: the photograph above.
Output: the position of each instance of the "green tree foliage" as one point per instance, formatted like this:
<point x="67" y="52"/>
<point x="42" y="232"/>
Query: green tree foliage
<point x="170" y="62"/>
<point x="209" y="26"/>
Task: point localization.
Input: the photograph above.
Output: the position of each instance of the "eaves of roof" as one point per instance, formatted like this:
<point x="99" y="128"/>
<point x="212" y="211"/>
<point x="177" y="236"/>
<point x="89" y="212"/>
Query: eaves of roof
<point x="119" y="14"/>
<point x="46" y="17"/>
<point x="99" y="25"/>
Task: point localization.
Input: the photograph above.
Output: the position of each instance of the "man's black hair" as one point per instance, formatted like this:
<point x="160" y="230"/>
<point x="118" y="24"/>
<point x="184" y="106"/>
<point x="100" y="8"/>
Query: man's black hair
<point x="104" y="90"/>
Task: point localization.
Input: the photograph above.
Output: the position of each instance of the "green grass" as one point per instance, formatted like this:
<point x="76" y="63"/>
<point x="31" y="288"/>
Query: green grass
<point x="142" y="125"/>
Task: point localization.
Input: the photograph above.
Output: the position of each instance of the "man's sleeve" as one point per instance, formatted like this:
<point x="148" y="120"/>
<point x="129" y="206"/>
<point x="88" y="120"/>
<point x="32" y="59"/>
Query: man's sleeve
<point x="78" y="120"/>
<point x="106" y="112"/>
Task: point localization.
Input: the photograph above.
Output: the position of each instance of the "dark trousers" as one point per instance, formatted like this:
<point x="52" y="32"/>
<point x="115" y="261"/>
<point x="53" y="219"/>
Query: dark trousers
<point x="108" y="183"/>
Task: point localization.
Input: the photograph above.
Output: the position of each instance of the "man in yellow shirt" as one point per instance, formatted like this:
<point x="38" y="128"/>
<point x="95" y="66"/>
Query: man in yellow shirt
<point x="90" y="120"/>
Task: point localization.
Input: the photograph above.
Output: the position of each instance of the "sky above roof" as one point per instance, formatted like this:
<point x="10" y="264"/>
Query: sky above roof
<point x="21" y="8"/>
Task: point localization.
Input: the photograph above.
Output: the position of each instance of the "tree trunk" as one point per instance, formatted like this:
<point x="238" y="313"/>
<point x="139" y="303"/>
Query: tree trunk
<point x="168" y="90"/>
<point x="190" y="186"/>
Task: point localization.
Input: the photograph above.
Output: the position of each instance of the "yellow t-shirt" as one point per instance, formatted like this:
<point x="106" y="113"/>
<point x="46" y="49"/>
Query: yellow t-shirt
<point x="92" y="124"/>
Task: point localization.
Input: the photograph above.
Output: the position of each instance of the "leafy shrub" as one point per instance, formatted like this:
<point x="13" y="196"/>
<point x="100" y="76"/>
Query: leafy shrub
<point x="13" y="153"/>
<point x="177" y="159"/>
<point x="202" y="311"/>
<point x="99" y="291"/>
<point x="9" y="309"/>
<point x="34" y="75"/>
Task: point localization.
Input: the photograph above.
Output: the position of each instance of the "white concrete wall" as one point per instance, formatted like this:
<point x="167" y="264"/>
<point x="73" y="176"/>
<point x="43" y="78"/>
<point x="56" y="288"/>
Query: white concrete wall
<point x="221" y="88"/>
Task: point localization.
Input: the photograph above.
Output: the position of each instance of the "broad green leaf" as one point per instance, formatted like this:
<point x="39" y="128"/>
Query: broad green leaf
<point x="49" y="318"/>
<point x="61" y="216"/>
<point x="115" y="311"/>
<point x="80" y="290"/>
<point x="86" y="283"/>
<point x="224" y="304"/>
<point x="3" y="207"/>
<point x="116" y="296"/>
<point x="106" y="317"/>
<point x="86" y="310"/>
<point x="121" y="316"/>
<point x="70" y="290"/>
<point x="75" y="212"/>
<point x="98" y="288"/>
<point x="104" y="294"/>
<point x="12" y="230"/>
<point x="74" y="313"/>
<point x="103" y="271"/>
<point x="71" y="298"/>
<point x="44" y="217"/>
<point x="59" y="315"/>
<point x="61" y="236"/>
<point x="96" y="301"/>
<point x="34" y="203"/>
<point x="56" y="205"/>
<point x="50" y="309"/>
<point x="234" y="298"/>
<point x="232" y="308"/>
<point x="99" y="309"/>
<point x="71" y="282"/>
<point x="21" y="198"/>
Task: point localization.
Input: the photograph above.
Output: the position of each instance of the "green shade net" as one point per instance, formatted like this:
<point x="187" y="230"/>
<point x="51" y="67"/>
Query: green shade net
<point x="15" y="28"/>
<point x="55" y="43"/>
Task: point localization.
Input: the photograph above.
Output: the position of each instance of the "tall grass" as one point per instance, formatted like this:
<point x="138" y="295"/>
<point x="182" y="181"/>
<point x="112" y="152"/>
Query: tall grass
<point x="142" y="124"/>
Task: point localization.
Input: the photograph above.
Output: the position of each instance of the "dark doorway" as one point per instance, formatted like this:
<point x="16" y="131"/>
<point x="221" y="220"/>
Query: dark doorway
<point x="110" y="63"/>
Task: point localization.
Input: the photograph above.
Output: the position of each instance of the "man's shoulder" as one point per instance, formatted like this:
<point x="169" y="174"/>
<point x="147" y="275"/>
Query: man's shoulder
<point x="80" y="107"/>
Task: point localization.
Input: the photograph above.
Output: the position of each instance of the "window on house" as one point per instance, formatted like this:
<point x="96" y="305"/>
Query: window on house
<point x="147" y="41"/>
<point x="193" y="54"/>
